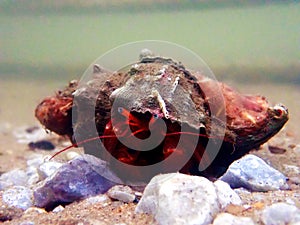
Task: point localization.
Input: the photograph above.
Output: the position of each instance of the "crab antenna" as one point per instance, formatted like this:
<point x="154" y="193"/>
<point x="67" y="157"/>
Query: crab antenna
<point x="80" y="143"/>
<point x="136" y="132"/>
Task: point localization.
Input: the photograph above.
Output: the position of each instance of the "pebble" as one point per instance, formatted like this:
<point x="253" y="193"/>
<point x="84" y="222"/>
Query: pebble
<point x="180" y="199"/>
<point x="19" y="197"/>
<point x="228" y="219"/>
<point x="102" y="198"/>
<point x="281" y="214"/>
<point x="276" y="149"/>
<point x="27" y="223"/>
<point x="254" y="174"/>
<point x="121" y="193"/>
<point x="16" y="177"/>
<point x="71" y="155"/>
<point x="81" y="177"/>
<point x="42" y="145"/>
<point x="58" y="209"/>
<point x="48" y="168"/>
<point x="32" y="175"/>
<point x="34" y="210"/>
<point x="226" y="195"/>
<point x="36" y="170"/>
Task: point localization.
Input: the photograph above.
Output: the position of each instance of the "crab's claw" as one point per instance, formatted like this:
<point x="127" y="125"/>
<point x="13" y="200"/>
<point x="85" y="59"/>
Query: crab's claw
<point x="252" y="119"/>
<point x="275" y="118"/>
<point x="55" y="112"/>
<point x="278" y="116"/>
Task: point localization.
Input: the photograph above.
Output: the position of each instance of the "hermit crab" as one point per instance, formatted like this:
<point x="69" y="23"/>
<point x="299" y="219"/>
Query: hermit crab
<point x="156" y="115"/>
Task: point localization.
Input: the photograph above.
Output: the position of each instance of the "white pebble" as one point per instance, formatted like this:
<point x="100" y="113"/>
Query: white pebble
<point x="58" y="209"/>
<point x="280" y="213"/>
<point x="228" y="219"/>
<point x="121" y="193"/>
<point x="19" y="197"/>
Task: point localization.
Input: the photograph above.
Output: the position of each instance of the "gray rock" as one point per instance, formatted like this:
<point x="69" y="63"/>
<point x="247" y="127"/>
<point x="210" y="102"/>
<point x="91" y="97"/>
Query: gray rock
<point x="48" y="168"/>
<point x="32" y="175"/>
<point x="254" y="174"/>
<point x="19" y="197"/>
<point x="16" y="177"/>
<point x="180" y="199"/>
<point x="82" y="177"/>
<point x="226" y="195"/>
<point x="121" y="193"/>
<point x="228" y="219"/>
<point x="280" y="214"/>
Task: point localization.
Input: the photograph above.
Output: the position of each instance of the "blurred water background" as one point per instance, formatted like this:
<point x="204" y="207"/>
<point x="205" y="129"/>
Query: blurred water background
<point x="252" y="45"/>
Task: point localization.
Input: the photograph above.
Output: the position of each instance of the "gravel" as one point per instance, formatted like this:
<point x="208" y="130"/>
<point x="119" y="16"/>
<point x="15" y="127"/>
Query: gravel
<point x="254" y="174"/>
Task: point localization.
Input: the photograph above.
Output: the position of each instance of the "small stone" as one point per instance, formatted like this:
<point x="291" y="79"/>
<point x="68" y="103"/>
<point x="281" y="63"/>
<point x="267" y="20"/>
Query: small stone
<point x="58" y="209"/>
<point x="226" y="195"/>
<point x="180" y="199"/>
<point x="138" y="194"/>
<point x="121" y="193"/>
<point x="35" y="210"/>
<point x="27" y="223"/>
<point x="80" y="178"/>
<point x="48" y="168"/>
<point x="280" y="213"/>
<point x="16" y="177"/>
<point x="102" y="198"/>
<point x="276" y="149"/>
<point x="254" y="174"/>
<point x="32" y="175"/>
<point x="19" y="197"/>
<point x="72" y="155"/>
<point x="228" y="219"/>
<point x="42" y="145"/>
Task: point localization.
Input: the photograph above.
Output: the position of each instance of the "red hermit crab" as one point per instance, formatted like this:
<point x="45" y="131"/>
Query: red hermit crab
<point x="160" y="115"/>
